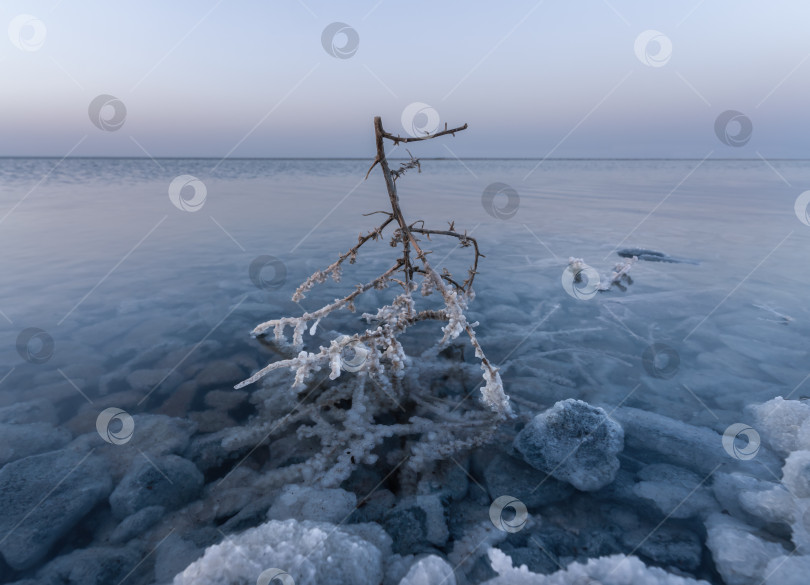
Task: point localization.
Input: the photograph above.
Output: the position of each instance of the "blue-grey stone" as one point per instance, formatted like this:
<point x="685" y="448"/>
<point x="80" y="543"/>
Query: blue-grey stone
<point x="169" y="481"/>
<point x="574" y="442"/>
<point x="43" y="498"/>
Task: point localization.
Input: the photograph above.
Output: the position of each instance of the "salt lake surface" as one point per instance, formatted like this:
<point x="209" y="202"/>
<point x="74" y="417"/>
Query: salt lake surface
<point x="139" y="297"/>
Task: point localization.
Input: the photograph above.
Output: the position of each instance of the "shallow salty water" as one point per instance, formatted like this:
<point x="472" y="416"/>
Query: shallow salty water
<point x="95" y="254"/>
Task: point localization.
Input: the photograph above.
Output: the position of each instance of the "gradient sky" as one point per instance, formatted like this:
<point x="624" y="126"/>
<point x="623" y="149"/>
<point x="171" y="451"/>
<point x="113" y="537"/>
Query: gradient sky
<point x="557" y="78"/>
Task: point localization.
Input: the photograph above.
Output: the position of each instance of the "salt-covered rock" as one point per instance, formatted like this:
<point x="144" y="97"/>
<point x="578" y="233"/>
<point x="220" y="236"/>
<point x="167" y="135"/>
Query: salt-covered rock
<point x="535" y="553"/>
<point x="740" y="555"/>
<point x="788" y="570"/>
<point x="610" y="570"/>
<point x="771" y="505"/>
<point x="43" y="497"/>
<point x="396" y="567"/>
<point x="796" y="480"/>
<point x="308" y="503"/>
<point x="784" y="424"/>
<point x="506" y="475"/>
<point x="311" y="552"/>
<point x="23" y="440"/>
<point x="372" y="533"/>
<point x="429" y="570"/>
<point x="574" y="442"/>
<point x="169" y="481"/>
<point x="676" y="492"/>
<point x="743" y="496"/>
<point x="796" y="473"/>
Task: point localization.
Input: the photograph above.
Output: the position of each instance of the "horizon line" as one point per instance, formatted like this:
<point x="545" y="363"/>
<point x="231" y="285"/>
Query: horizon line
<point x="358" y="158"/>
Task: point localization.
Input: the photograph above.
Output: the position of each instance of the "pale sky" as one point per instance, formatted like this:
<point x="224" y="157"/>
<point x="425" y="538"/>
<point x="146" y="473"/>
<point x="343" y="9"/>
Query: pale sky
<point x="552" y="79"/>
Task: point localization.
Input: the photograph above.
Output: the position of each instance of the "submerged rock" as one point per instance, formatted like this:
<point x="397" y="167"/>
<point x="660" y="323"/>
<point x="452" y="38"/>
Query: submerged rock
<point x="445" y="478"/>
<point x="416" y="524"/>
<point x="136" y="524"/>
<point x="32" y="411"/>
<point x="150" y="380"/>
<point x="173" y="555"/>
<point x="506" y="475"/>
<point x="676" y="492"/>
<point x="308" y="503"/>
<point x="666" y="546"/>
<point x="43" y="497"/>
<point x="23" y="440"/>
<point x="685" y="445"/>
<point x="653" y="256"/>
<point x="154" y="435"/>
<point x="219" y="373"/>
<point x="169" y="481"/>
<point x="91" y="566"/>
<point x="574" y="442"/>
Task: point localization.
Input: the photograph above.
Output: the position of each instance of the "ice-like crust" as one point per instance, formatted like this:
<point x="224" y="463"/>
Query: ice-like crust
<point x="611" y="570"/>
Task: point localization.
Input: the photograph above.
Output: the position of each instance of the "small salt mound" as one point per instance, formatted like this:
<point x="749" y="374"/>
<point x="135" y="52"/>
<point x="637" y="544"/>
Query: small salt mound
<point x="785" y="424"/>
<point x="430" y="570"/>
<point x="740" y="554"/>
<point x="311" y="552"/>
<point x="611" y="570"/>
<point x="788" y="570"/>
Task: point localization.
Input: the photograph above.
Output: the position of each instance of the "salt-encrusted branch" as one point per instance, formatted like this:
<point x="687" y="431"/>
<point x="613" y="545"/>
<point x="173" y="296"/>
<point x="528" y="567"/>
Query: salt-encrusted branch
<point x="398" y="139"/>
<point x="346" y="416"/>
<point x="464" y="241"/>
<point x="619" y="277"/>
<point x="411" y="164"/>
<point x="492" y="393"/>
<point x="295" y="322"/>
<point x="320" y="276"/>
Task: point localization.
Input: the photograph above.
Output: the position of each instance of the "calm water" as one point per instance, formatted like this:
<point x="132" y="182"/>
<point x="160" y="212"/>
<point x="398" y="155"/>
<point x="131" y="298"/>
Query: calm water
<point x="95" y="254"/>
